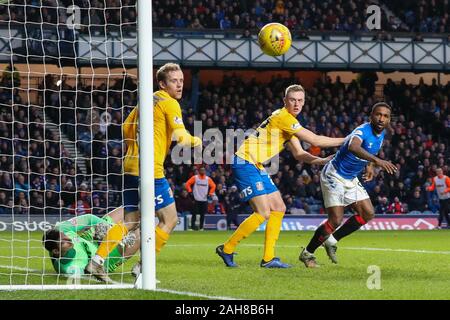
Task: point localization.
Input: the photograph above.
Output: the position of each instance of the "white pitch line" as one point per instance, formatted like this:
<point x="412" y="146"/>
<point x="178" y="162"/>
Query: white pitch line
<point x="20" y="269"/>
<point x="34" y="271"/>
<point x="344" y="248"/>
<point x="193" y="294"/>
<point x="396" y="250"/>
<point x="298" y="246"/>
<point x="187" y="293"/>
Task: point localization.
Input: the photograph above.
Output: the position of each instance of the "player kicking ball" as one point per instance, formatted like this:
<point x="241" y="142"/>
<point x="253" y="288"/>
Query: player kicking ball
<point x="72" y="242"/>
<point x="341" y="186"/>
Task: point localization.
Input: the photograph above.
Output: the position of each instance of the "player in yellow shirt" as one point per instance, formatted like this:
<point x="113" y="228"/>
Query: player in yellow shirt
<point x="168" y="126"/>
<point x="255" y="184"/>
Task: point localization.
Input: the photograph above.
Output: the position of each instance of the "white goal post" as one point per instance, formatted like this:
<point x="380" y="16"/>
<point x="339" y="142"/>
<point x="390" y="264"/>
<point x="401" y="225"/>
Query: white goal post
<point x="146" y="149"/>
<point x="68" y="79"/>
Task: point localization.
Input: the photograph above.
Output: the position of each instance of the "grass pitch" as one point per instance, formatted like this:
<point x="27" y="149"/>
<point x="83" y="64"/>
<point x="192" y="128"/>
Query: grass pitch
<point x="411" y="264"/>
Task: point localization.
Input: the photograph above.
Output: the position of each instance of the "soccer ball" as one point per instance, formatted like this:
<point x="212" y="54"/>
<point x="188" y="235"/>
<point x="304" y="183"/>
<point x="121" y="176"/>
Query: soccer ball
<point x="274" y="39"/>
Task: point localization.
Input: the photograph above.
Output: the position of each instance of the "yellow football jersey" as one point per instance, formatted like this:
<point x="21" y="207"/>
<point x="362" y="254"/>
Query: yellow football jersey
<point x="167" y="122"/>
<point x="269" y="138"/>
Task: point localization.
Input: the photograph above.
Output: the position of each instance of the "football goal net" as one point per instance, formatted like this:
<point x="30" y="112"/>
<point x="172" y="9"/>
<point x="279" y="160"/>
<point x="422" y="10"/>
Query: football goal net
<point x="68" y="80"/>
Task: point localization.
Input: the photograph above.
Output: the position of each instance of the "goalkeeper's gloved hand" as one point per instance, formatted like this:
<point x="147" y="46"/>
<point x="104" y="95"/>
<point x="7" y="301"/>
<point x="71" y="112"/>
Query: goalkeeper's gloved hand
<point x="129" y="240"/>
<point x="100" y="230"/>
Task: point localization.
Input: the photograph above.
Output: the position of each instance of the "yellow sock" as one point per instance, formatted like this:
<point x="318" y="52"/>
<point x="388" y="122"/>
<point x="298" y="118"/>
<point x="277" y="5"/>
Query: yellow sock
<point x="247" y="227"/>
<point x="160" y="239"/>
<point x="273" y="228"/>
<point x="113" y="237"/>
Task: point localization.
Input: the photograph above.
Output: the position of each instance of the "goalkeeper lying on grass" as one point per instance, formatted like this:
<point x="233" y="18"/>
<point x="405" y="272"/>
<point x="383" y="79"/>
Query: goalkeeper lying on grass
<point x="72" y="243"/>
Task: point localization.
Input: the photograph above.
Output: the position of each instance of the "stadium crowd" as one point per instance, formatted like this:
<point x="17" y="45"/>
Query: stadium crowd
<point x="423" y="16"/>
<point x="300" y="16"/>
<point x="303" y="15"/>
<point x="417" y="141"/>
<point x="39" y="175"/>
<point x="34" y="165"/>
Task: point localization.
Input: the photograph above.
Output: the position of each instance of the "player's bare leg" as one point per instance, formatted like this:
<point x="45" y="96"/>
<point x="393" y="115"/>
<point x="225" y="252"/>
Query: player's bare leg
<point x="364" y="213"/>
<point x="335" y="216"/>
<point x="117" y="215"/>
<point x="168" y="219"/>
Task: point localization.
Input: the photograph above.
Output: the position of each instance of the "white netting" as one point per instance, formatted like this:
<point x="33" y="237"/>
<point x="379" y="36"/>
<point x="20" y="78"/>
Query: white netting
<point x="68" y="81"/>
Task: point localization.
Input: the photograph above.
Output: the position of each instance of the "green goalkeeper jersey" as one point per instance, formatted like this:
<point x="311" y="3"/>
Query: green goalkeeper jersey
<point x="80" y="230"/>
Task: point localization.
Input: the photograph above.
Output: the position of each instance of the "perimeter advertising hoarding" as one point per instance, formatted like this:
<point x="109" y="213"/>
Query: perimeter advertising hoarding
<point x="218" y="222"/>
<point x="311" y="222"/>
<point x="44" y="223"/>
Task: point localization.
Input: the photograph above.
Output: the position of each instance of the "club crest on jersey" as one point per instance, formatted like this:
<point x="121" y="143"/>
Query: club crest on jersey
<point x="178" y="120"/>
<point x="259" y="186"/>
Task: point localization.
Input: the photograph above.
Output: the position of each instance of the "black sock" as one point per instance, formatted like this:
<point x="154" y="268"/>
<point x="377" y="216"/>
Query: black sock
<point x="351" y="225"/>
<point x="319" y="236"/>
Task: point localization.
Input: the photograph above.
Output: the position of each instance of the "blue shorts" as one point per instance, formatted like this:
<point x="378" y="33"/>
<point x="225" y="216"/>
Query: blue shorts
<point x="163" y="193"/>
<point x="250" y="180"/>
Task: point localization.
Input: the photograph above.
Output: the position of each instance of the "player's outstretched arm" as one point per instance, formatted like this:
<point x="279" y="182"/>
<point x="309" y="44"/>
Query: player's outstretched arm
<point x="356" y="148"/>
<point x="319" y="141"/>
<point x="184" y="138"/>
<point x="79" y="223"/>
<point x="300" y="154"/>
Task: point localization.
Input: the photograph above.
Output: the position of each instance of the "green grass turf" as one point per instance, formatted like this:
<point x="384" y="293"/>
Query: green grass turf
<point x="189" y="264"/>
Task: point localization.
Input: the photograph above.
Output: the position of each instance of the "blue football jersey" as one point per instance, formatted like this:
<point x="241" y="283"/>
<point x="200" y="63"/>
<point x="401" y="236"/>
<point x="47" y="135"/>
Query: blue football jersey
<point x="346" y="163"/>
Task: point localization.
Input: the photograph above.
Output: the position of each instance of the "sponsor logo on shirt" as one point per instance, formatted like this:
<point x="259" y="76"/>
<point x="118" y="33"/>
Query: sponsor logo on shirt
<point x="259" y="186"/>
<point x="178" y="120"/>
<point x="296" y="126"/>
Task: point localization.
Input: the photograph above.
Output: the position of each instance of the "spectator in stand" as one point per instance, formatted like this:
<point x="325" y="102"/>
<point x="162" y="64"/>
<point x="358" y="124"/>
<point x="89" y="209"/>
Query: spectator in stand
<point x="80" y="207"/>
<point x="383" y="206"/>
<point x="396" y="207"/>
<point x="21" y="207"/>
<point x="21" y="185"/>
<point x="232" y="207"/>
<point x="184" y="203"/>
<point x="215" y="206"/>
<point x="201" y="186"/>
<point x="4" y="209"/>
<point x="98" y="208"/>
<point x="441" y="183"/>
<point x="417" y="202"/>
